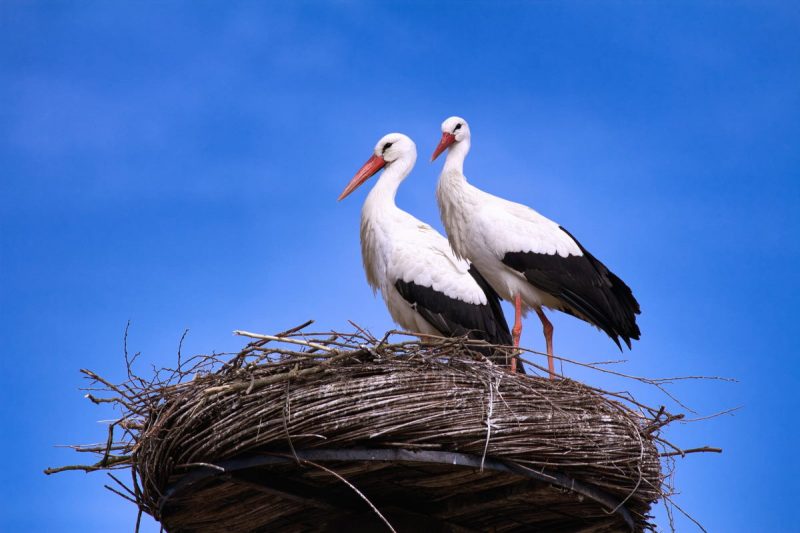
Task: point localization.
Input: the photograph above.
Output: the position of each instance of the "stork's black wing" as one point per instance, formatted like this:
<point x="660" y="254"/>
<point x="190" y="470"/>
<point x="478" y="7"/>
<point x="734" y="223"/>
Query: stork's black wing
<point x="455" y="318"/>
<point x="586" y="287"/>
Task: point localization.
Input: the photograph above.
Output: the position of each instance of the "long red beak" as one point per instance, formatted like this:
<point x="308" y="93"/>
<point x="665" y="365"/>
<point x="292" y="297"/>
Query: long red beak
<point x="373" y="165"/>
<point x="447" y="140"/>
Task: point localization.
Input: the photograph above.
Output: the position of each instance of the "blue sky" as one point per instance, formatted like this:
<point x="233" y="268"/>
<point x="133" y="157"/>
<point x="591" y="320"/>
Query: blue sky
<point x="177" y="165"/>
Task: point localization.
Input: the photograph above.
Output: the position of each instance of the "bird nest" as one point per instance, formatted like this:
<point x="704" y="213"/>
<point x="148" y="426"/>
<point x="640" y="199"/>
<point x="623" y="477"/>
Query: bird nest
<point x="305" y="431"/>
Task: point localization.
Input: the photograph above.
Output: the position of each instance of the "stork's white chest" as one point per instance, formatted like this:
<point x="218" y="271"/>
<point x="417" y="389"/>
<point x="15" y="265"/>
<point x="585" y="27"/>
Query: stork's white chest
<point x="483" y="228"/>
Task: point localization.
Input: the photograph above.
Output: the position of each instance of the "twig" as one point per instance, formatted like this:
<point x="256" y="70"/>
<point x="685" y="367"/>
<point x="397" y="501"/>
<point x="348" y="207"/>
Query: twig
<point x="489" y="420"/>
<point x="286" y="414"/>
<point x="118" y="493"/>
<point x="683" y="453"/>
<point x="112" y="461"/>
<point x="258" y="383"/>
<point x="684" y="513"/>
<point x="180" y="347"/>
<point x="282" y="339"/>
<point x="361" y="494"/>
<point x="715" y="415"/>
<point x="204" y="465"/>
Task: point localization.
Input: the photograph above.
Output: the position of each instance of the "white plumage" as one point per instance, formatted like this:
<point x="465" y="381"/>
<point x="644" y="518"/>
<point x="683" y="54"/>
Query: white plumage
<point x="483" y="228"/>
<point x="427" y="289"/>
<point x="527" y="258"/>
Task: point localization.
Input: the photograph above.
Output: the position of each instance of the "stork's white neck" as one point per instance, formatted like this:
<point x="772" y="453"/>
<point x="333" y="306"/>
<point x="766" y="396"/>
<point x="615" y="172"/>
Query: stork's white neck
<point x="384" y="191"/>
<point x="379" y="216"/>
<point x="455" y="197"/>
<point x="454" y="163"/>
<point x="453" y="191"/>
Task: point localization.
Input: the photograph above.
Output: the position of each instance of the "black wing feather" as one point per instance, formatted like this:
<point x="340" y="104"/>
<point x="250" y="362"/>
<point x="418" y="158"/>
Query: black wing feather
<point x="455" y="318"/>
<point x="586" y="287"/>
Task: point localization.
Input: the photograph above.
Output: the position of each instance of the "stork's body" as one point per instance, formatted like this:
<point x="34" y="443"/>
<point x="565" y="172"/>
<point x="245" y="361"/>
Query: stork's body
<point x="527" y="258"/>
<point x="425" y="287"/>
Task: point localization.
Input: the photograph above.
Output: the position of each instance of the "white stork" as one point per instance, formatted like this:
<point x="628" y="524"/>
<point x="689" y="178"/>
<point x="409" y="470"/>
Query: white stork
<point x="528" y="259"/>
<point x="426" y="288"/>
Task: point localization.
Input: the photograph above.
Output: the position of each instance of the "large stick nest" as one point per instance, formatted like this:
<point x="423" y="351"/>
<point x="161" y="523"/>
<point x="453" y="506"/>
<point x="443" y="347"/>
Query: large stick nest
<point x="284" y="397"/>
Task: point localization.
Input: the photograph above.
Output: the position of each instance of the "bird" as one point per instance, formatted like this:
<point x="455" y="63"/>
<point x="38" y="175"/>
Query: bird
<point x="528" y="259"/>
<point x="426" y="288"/>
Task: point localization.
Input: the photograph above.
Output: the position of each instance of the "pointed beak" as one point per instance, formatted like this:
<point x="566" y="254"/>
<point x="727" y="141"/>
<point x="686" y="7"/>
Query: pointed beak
<point x="373" y="165"/>
<point x="447" y="140"/>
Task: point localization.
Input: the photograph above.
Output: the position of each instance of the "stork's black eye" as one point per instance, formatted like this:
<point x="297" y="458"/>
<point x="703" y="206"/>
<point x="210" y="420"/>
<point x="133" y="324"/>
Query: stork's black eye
<point x="386" y="146"/>
<point x="458" y="127"/>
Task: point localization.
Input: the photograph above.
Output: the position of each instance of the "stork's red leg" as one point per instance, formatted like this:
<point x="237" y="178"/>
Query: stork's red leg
<point x="516" y="331"/>
<point x="548" y="339"/>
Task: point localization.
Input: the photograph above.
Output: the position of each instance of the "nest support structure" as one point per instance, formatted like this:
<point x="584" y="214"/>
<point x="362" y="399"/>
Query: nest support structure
<point x="307" y="431"/>
<point x="408" y="491"/>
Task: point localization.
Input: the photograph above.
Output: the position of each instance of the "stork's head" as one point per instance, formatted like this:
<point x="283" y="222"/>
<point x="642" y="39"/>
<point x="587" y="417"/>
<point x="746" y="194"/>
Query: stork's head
<point x="394" y="146"/>
<point x="392" y="149"/>
<point x="454" y="130"/>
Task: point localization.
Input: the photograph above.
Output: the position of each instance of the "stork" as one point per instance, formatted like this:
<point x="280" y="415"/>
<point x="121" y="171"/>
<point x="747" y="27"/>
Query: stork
<point x="527" y="258"/>
<point x="426" y="288"/>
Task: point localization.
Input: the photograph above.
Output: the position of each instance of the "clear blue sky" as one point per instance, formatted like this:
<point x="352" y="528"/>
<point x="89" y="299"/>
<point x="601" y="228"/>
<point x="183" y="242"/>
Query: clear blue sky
<point x="177" y="164"/>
